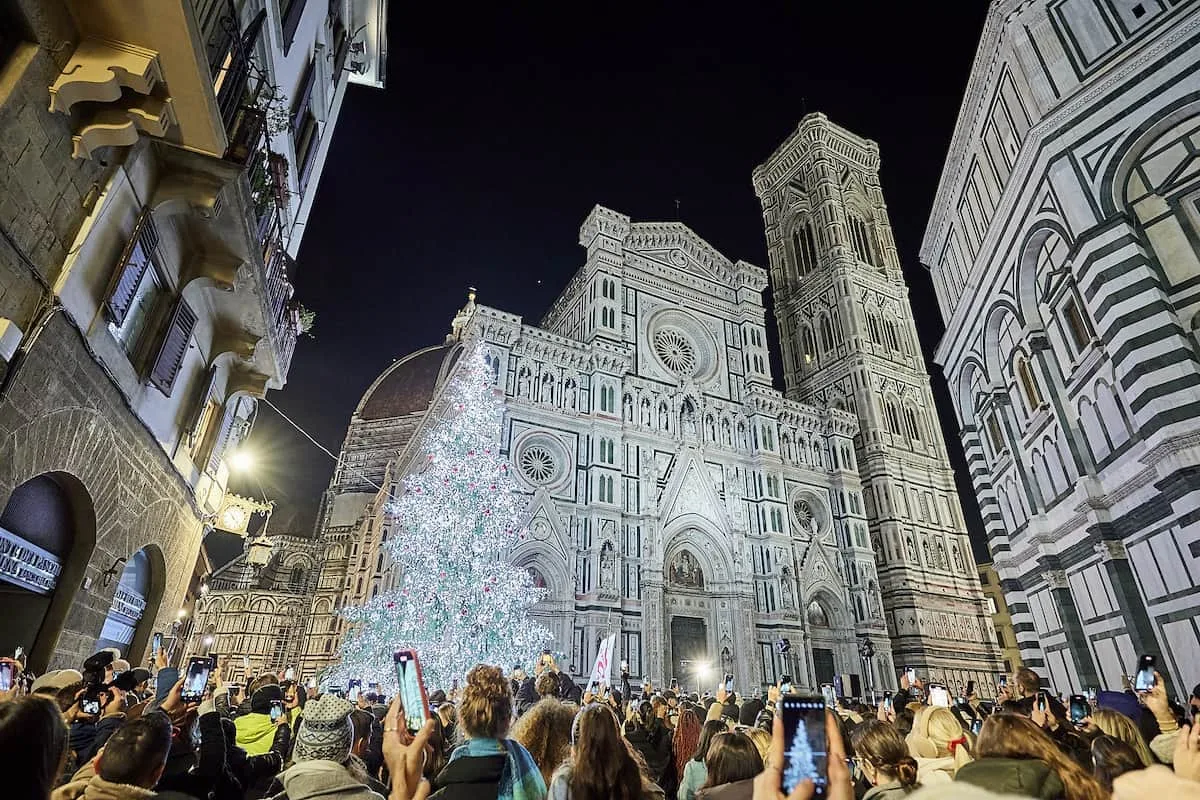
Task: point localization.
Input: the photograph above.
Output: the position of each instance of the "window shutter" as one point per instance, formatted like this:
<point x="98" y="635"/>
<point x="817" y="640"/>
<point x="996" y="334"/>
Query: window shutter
<point x="134" y="262"/>
<point x="300" y="104"/>
<point x="198" y="403"/>
<point x="222" y="440"/>
<point x="174" y="347"/>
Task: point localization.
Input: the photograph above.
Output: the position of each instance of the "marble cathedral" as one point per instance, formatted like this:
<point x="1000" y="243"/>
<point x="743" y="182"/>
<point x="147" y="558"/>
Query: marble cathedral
<point x="675" y="496"/>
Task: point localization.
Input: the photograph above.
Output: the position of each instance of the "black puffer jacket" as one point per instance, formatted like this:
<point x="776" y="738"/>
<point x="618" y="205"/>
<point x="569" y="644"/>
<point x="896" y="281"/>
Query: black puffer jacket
<point x="1021" y="776"/>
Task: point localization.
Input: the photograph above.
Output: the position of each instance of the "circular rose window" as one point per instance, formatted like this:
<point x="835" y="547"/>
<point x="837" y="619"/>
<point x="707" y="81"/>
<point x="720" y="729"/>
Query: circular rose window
<point x="676" y="351"/>
<point x="538" y="464"/>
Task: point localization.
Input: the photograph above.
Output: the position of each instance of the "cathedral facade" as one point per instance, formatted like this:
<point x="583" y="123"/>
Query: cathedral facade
<point x="675" y="497"/>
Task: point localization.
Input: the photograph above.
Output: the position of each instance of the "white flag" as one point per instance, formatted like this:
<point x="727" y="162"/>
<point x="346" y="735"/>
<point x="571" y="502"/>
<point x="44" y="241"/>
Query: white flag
<point x="601" y="670"/>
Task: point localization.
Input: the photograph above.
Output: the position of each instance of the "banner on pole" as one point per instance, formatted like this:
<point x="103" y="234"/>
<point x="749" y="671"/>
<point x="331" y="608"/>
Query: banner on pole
<point x="603" y="667"/>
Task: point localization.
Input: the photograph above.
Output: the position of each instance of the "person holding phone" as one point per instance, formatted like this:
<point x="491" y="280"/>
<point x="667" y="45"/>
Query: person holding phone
<point x="258" y="732"/>
<point x="769" y="783"/>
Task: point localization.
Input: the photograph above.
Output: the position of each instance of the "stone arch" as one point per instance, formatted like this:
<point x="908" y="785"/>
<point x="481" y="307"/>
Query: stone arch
<point x="997" y="315"/>
<point x="835" y="611"/>
<point x="1124" y="156"/>
<point x="1028" y="261"/>
<point x="549" y="563"/>
<point x="697" y="535"/>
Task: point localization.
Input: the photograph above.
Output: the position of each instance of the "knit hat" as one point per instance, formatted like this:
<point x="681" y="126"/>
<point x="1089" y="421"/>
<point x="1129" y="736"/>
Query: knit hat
<point x="325" y="733"/>
<point x="260" y="701"/>
<point x="1121" y="703"/>
<point x="56" y="679"/>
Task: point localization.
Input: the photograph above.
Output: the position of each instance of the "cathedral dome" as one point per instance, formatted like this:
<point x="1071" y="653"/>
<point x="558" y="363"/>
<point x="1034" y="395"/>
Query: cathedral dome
<point x="407" y="386"/>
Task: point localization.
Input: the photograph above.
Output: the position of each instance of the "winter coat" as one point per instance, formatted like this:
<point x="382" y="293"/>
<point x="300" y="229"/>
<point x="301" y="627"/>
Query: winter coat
<point x="740" y="790"/>
<point x="932" y="771"/>
<point x="474" y="778"/>
<point x="1155" y="781"/>
<point x="560" y="788"/>
<point x="205" y="773"/>
<point x="86" y="738"/>
<point x="256" y="734"/>
<point x="887" y="791"/>
<point x="527" y="696"/>
<point x="323" y="780"/>
<point x="695" y="773"/>
<point x="96" y="788"/>
<point x="654" y="743"/>
<point x="568" y="690"/>
<point x="1024" y="776"/>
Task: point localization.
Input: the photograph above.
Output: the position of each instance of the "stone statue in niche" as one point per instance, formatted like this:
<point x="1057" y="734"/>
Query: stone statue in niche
<point x="689" y="419"/>
<point x="646" y="411"/>
<point x="786" y="591"/>
<point x="548" y="388"/>
<point x="726" y="435"/>
<point x="958" y="559"/>
<point x="608" y="563"/>
<point x="523" y="378"/>
<point x="535" y="575"/>
<point x="910" y="548"/>
<point x="663" y="417"/>
<point x="873" y="601"/>
<point x="571" y="395"/>
<point x="628" y="407"/>
<point x="686" y="571"/>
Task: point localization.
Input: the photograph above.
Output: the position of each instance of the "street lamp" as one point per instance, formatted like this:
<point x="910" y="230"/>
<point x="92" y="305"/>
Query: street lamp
<point x="258" y="551"/>
<point x="866" y="651"/>
<point x="241" y="460"/>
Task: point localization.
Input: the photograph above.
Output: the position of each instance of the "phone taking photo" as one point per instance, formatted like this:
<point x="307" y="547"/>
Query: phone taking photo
<point x="887" y="701"/>
<point x="939" y="695"/>
<point x="1078" y="708"/>
<point x="911" y="674"/>
<point x="277" y="710"/>
<point x="156" y="644"/>
<point x="728" y="682"/>
<point x="196" y="679"/>
<point x="92" y="700"/>
<point x="353" y="689"/>
<point x="785" y="684"/>
<point x="1143" y="680"/>
<point x="412" y="689"/>
<point x="806" y="746"/>
<point x="829" y="695"/>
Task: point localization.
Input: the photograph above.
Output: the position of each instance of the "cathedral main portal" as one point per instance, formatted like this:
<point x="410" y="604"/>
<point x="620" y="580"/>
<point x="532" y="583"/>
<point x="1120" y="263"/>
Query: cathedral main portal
<point x="689" y="651"/>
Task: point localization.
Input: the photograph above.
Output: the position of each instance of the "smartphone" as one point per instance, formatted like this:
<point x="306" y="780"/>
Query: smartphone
<point x="19" y="655"/>
<point x="1042" y="705"/>
<point x="276" y="709"/>
<point x="806" y="753"/>
<point x="1002" y="682"/>
<point x="887" y="700"/>
<point x="729" y="681"/>
<point x="1091" y="695"/>
<point x="91" y="702"/>
<point x="6" y="676"/>
<point x="156" y="644"/>
<point x="911" y="674"/>
<point x="1078" y="707"/>
<point x="674" y="684"/>
<point x="412" y="689"/>
<point x="354" y="689"/>
<point x="289" y="674"/>
<point x="977" y="725"/>
<point x="1143" y="680"/>
<point x="970" y="690"/>
<point x="196" y="678"/>
<point x="785" y="684"/>
<point x="829" y="695"/>
<point x="624" y="666"/>
<point x="939" y="695"/>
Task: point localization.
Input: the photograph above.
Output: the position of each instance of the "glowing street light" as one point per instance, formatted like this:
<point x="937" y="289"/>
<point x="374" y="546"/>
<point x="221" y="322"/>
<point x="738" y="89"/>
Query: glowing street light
<point x="241" y="460"/>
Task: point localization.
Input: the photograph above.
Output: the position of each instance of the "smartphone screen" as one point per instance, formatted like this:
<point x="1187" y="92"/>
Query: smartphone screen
<point x="939" y="695"/>
<point x="977" y="725"/>
<point x="887" y="700"/>
<point x="1041" y="702"/>
<point x="829" y="695"/>
<point x="1144" y="677"/>
<point x="289" y="674"/>
<point x="156" y="645"/>
<point x="276" y="709"/>
<point x="1091" y="695"/>
<point x="1003" y="682"/>
<point x="199" y="668"/>
<point x="785" y="684"/>
<point x="412" y="689"/>
<point x="354" y="689"/>
<point x="970" y="689"/>
<point x="91" y="701"/>
<point x="806" y="752"/>
<point x="6" y="676"/>
<point x="729" y="681"/>
<point x="1078" y="707"/>
<point x="911" y="674"/>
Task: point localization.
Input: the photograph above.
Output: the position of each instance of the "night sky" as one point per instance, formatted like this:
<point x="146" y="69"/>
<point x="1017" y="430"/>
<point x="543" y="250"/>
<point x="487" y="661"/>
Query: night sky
<point x="489" y="146"/>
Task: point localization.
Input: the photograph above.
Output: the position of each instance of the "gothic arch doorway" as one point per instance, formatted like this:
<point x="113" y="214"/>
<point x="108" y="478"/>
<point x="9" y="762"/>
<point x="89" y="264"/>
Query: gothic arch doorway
<point x="47" y="535"/>
<point x="135" y="604"/>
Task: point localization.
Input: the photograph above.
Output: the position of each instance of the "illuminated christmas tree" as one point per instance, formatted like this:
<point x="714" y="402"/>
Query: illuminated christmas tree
<point x="458" y="601"/>
<point x="799" y="759"/>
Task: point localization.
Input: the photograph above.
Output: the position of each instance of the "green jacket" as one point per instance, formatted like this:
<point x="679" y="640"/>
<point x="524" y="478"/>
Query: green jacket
<point x="1022" y="776"/>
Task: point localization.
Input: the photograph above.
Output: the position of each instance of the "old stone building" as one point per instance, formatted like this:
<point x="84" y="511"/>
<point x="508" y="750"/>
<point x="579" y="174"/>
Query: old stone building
<point x="150" y="210"/>
<point x="849" y="342"/>
<point x="1063" y="248"/>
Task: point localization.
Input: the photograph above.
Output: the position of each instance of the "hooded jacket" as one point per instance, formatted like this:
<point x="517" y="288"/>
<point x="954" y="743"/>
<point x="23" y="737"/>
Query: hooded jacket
<point x="96" y="788"/>
<point x="327" y="780"/>
<point x="931" y="771"/>
<point x="1023" y="776"/>
<point x="256" y="731"/>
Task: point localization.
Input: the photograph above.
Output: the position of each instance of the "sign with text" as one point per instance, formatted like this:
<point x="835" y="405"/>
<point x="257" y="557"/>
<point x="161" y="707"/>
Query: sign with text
<point x="603" y="667"/>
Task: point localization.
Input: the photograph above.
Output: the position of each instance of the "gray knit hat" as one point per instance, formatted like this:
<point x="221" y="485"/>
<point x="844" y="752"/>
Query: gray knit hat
<point x="325" y="730"/>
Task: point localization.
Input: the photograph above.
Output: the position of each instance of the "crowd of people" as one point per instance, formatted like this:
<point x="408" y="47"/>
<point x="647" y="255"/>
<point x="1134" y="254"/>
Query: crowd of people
<point x="112" y="732"/>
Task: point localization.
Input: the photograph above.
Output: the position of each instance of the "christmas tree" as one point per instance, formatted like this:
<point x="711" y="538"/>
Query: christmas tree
<point x="798" y="759"/>
<point x="458" y="601"/>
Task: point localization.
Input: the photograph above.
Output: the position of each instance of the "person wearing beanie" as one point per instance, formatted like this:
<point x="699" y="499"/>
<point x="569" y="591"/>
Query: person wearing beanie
<point x="51" y="682"/>
<point x="322" y="755"/>
<point x="257" y="733"/>
<point x="749" y="710"/>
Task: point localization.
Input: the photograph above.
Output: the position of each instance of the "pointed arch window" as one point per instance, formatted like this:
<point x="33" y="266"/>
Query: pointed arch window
<point x="808" y="346"/>
<point x="804" y="249"/>
<point x="914" y="424"/>
<point x="828" y="340"/>
<point x="995" y="435"/>
<point x="860" y="237"/>
<point x="893" y="419"/>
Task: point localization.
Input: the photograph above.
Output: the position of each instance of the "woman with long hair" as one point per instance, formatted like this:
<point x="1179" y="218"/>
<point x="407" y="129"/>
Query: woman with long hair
<point x="684" y="739"/>
<point x="695" y="773"/>
<point x="1014" y="756"/>
<point x="733" y="762"/>
<point x="1112" y="758"/>
<point x="33" y="739"/>
<point x="488" y="765"/>
<point x="602" y="763"/>
<point x="1119" y="726"/>
<point x="884" y="760"/>
<point x="939" y="744"/>
<point x="545" y="730"/>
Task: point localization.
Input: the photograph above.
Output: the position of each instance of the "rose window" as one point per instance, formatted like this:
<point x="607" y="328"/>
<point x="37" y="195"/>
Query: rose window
<point x="538" y="464"/>
<point x="675" y="351"/>
<point x="803" y="512"/>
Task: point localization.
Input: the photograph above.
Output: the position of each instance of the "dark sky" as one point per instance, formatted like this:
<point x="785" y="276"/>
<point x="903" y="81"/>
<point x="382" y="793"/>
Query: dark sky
<point x="500" y="129"/>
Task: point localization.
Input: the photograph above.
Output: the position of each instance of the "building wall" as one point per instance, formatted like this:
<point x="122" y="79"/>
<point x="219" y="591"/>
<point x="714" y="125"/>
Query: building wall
<point x="849" y="342"/>
<point x="1065" y="256"/>
<point x="1006" y="637"/>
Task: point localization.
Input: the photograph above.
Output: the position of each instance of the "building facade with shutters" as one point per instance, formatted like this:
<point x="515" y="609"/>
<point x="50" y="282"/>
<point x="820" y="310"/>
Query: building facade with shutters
<point x="158" y="162"/>
<point x="1063" y="249"/>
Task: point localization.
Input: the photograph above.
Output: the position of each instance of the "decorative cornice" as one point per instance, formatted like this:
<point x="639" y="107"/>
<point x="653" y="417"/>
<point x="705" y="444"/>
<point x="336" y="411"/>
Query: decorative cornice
<point x="814" y="131"/>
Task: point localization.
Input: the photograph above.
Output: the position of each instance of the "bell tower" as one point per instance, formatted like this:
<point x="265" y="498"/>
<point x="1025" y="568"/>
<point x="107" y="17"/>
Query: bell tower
<point x="849" y="342"/>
